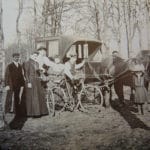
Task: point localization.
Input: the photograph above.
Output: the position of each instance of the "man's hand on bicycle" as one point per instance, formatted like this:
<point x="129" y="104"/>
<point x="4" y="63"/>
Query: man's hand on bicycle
<point x="73" y="81"/>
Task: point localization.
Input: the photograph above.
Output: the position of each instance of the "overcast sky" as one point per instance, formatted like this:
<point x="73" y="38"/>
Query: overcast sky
<point x="9" y="17"/>
<point x="10" y="11"/>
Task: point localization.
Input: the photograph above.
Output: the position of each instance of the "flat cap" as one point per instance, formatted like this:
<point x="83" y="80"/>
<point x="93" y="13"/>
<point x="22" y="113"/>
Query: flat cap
<point x="42" y="48"/>
<point x="15" y="54"/>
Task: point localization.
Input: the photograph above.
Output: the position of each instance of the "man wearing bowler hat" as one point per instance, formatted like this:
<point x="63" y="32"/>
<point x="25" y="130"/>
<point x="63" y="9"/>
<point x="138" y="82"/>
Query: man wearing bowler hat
<point x="14" y="82"/>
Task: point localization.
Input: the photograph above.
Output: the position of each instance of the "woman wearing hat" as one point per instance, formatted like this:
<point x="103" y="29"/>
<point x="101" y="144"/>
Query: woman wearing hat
<point x="35" y="96"/>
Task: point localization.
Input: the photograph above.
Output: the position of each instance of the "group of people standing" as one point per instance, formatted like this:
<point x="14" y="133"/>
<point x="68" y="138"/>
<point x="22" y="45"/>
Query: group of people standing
<point x="24" y="86"/>
<point x="137" y="76"/>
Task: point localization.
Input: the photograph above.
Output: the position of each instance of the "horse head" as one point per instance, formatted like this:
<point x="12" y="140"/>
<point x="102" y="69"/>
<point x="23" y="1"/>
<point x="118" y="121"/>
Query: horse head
<point x="114" y="68"/>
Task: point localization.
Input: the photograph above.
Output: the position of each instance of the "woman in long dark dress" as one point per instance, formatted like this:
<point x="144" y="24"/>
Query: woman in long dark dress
<point x="35" y="96"/>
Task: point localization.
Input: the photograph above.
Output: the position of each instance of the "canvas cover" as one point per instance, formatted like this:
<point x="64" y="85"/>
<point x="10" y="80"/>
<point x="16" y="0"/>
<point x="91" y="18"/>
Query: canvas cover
<point x="65" y="43"/>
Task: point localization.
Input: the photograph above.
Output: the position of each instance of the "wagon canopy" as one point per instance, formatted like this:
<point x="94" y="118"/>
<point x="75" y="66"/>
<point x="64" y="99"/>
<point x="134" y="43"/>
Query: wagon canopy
<point x="65" y="43"/>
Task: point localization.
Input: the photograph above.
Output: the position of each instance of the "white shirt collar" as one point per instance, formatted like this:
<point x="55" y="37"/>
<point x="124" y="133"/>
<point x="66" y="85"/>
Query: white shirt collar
<point x="16" y="63"/>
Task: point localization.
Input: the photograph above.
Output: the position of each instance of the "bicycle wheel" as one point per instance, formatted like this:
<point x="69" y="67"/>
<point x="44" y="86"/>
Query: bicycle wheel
<point x="90" y="98"/>
<point x="59" y="99"/>
<point x="50" y="102"/>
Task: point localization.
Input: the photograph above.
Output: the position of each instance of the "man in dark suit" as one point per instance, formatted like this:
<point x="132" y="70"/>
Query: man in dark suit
<point x="14" y="82"/>
<point x="119" y="68"/>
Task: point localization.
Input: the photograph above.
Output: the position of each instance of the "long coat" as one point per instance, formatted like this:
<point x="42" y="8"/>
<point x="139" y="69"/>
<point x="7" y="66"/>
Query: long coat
<point x="35" y="96"/>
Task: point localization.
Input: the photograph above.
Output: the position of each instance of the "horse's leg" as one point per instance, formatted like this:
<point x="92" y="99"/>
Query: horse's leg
<point x="132" y="97"/>
<point x="106" y="95"/>
<point x="110" y="93"/>
<point x="118" y="86"/>
<point x="146" y="84"/>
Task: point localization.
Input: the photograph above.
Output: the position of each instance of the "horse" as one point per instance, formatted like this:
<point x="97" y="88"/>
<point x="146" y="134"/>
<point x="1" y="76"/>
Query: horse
<point x="123" y="76"/>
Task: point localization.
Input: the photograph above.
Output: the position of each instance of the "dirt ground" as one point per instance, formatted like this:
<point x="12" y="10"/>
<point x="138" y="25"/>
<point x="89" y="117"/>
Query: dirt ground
<point x="117" y="128"/>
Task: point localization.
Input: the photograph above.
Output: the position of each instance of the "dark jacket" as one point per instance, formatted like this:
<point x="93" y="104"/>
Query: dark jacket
<point x="120" y="66"/>
<point x="148" y="69"/>
<point x="14" y="76"/>
<point x="117" y="60"/>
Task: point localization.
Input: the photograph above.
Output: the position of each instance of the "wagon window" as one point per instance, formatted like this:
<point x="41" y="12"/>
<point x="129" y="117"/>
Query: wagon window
<point x="82" y="50"/>
<point x="79" y="51"/>
<point x="53" y="48"/>
<point x="86" y="51"/>
<point x="98" y="56"/>
<point x="71" y="51"/>
<point x="39" y="44"/>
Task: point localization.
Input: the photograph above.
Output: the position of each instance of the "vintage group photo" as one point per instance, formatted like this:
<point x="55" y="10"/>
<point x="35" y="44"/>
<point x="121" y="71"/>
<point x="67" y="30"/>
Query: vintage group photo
<point x="74" y="74"/>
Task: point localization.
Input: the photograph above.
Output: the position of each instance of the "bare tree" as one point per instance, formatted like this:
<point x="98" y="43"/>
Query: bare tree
<point x="20" y="10"/>
<point x="130" y="22"/>
<point x="116" y="21"/>
<point x="34" y="30"/>
<point x="101" y="19"/>
<point x="2" y="61"/>
<point x="35" y="15"/>
<point x="148" y="21"/>
<point x="94" y="20"/>
<point x="1" y="27"/>
<point x="52" y="14"/>
<point x="133" y="21"/>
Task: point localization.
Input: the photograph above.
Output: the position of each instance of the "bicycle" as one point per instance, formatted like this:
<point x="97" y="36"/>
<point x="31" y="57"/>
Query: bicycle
<point x="89" y="95"/>
<point x="57" y="97"/>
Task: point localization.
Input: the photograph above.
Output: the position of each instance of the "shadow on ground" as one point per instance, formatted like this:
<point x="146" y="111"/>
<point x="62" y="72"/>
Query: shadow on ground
<point x="17" y="123"/>
<point x="126" y="112"/>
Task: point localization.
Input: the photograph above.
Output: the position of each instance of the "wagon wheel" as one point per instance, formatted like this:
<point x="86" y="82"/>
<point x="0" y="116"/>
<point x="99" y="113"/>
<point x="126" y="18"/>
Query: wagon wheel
<point x="90" y="98"/>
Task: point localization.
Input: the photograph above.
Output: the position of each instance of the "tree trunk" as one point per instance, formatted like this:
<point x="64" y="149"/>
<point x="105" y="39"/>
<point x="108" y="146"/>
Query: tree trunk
<point x="20" y="10"/>
<point x="119" y="26"/>
<point x="140" y="37"/>
<point x="97" y="19"/>
<point x="148" y="23"/>
<point x="1" y="27"/>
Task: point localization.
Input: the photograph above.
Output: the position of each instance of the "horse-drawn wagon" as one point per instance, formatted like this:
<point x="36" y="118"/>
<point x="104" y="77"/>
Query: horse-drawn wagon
<point x="90" y="88"/>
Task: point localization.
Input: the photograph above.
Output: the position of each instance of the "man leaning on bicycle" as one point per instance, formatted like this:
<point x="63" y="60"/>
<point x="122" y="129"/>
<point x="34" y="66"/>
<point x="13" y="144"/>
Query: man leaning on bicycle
<point x="71" y="71"/>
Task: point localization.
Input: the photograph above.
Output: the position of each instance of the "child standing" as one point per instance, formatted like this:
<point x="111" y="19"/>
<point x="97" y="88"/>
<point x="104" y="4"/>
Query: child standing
<point x="141" y="95"/>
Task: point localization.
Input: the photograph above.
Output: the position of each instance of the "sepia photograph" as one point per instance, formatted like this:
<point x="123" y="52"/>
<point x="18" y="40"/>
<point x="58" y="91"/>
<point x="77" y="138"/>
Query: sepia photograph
<point x="74" y="74"/>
